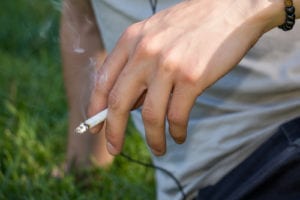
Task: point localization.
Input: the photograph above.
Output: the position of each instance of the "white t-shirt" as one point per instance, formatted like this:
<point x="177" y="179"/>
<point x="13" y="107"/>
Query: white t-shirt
<point x="231" y="118"/>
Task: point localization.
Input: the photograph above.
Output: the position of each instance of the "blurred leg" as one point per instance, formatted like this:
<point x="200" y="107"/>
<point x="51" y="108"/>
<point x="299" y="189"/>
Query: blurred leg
<point x="82" y="51"/>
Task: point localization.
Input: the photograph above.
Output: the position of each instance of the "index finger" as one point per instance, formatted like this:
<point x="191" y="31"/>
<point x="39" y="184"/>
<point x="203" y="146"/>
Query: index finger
<point x="108" y="73"/>
<point x="105" y="79"/>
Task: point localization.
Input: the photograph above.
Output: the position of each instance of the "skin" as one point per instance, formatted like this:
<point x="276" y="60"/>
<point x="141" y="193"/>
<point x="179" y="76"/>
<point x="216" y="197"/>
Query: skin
<point x="79" y="62"/>
<point x="170" y="58"/>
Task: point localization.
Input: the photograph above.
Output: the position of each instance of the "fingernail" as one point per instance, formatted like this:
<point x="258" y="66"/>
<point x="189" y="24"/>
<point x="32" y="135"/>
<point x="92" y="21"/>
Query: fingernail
<point x="158" y="152"/>
<point x="111" y="149"/>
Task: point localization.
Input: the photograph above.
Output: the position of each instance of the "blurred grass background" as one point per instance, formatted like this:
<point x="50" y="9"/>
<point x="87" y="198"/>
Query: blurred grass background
<point x="33" y="116"/>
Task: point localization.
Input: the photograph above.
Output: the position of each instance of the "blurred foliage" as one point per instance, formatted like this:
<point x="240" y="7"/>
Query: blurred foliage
<point x="33" y="116"/>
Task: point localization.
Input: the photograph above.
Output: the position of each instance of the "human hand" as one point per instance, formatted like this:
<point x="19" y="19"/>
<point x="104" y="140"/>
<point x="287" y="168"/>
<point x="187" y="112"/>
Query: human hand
<point x="165" y="62"/>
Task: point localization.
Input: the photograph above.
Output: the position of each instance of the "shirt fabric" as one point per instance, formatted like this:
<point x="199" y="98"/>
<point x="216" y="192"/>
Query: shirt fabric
<point x="232" y="117"/>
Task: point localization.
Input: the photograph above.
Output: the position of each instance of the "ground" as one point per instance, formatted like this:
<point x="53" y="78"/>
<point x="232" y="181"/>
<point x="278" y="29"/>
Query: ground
<point x="33" y="116"/>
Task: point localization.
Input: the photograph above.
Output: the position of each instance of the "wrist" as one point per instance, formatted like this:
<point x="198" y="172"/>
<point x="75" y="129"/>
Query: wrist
<point x="268" y="14"/>
<point x="274" y="15"/>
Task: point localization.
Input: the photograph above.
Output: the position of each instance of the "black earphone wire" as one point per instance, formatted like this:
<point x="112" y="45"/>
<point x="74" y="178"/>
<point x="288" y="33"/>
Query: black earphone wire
<point x="158" y="168"/>
<point x="153" y="4"/>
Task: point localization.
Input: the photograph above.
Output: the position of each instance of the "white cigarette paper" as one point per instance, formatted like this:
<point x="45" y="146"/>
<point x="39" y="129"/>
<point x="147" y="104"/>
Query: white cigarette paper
<point x="91" y="122"/>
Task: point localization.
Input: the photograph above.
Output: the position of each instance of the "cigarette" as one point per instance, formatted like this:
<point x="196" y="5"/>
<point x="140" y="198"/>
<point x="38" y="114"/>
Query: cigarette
<point x="91" y="122"/>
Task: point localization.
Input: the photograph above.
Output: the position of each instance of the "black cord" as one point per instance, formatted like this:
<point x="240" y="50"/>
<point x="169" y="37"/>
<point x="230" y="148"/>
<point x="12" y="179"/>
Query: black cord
<point x="159" y="168"/>
<point x="153" y="4"/>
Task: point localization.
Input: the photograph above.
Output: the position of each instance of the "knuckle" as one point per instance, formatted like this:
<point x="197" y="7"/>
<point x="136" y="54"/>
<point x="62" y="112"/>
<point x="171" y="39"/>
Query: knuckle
<point x="100" y="85"/>
<point x="114" y="139"/>
<point x="190" y="78"/>
<point x="114" y="100"/>
<point x="169" y="62"/>
<point x="169" y="58"/>
<point x="131" y="32"/>
<point x="175" y="119"/>
<point x="149" y="116"/>
<point x="191" y="75"/>
<point x="147" y="47"/>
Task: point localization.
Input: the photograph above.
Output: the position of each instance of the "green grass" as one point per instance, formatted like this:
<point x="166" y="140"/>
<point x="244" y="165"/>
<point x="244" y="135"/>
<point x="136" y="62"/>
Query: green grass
<point x="33" y="116"/>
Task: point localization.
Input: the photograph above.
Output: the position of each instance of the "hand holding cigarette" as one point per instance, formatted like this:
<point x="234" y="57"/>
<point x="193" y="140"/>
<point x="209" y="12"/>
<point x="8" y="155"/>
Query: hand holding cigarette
<point x="164" y="63"/>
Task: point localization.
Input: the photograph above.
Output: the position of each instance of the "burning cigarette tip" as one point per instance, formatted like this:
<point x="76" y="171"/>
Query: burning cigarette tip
<point x="82" y="128"/>
<point x="91" y="122"/>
